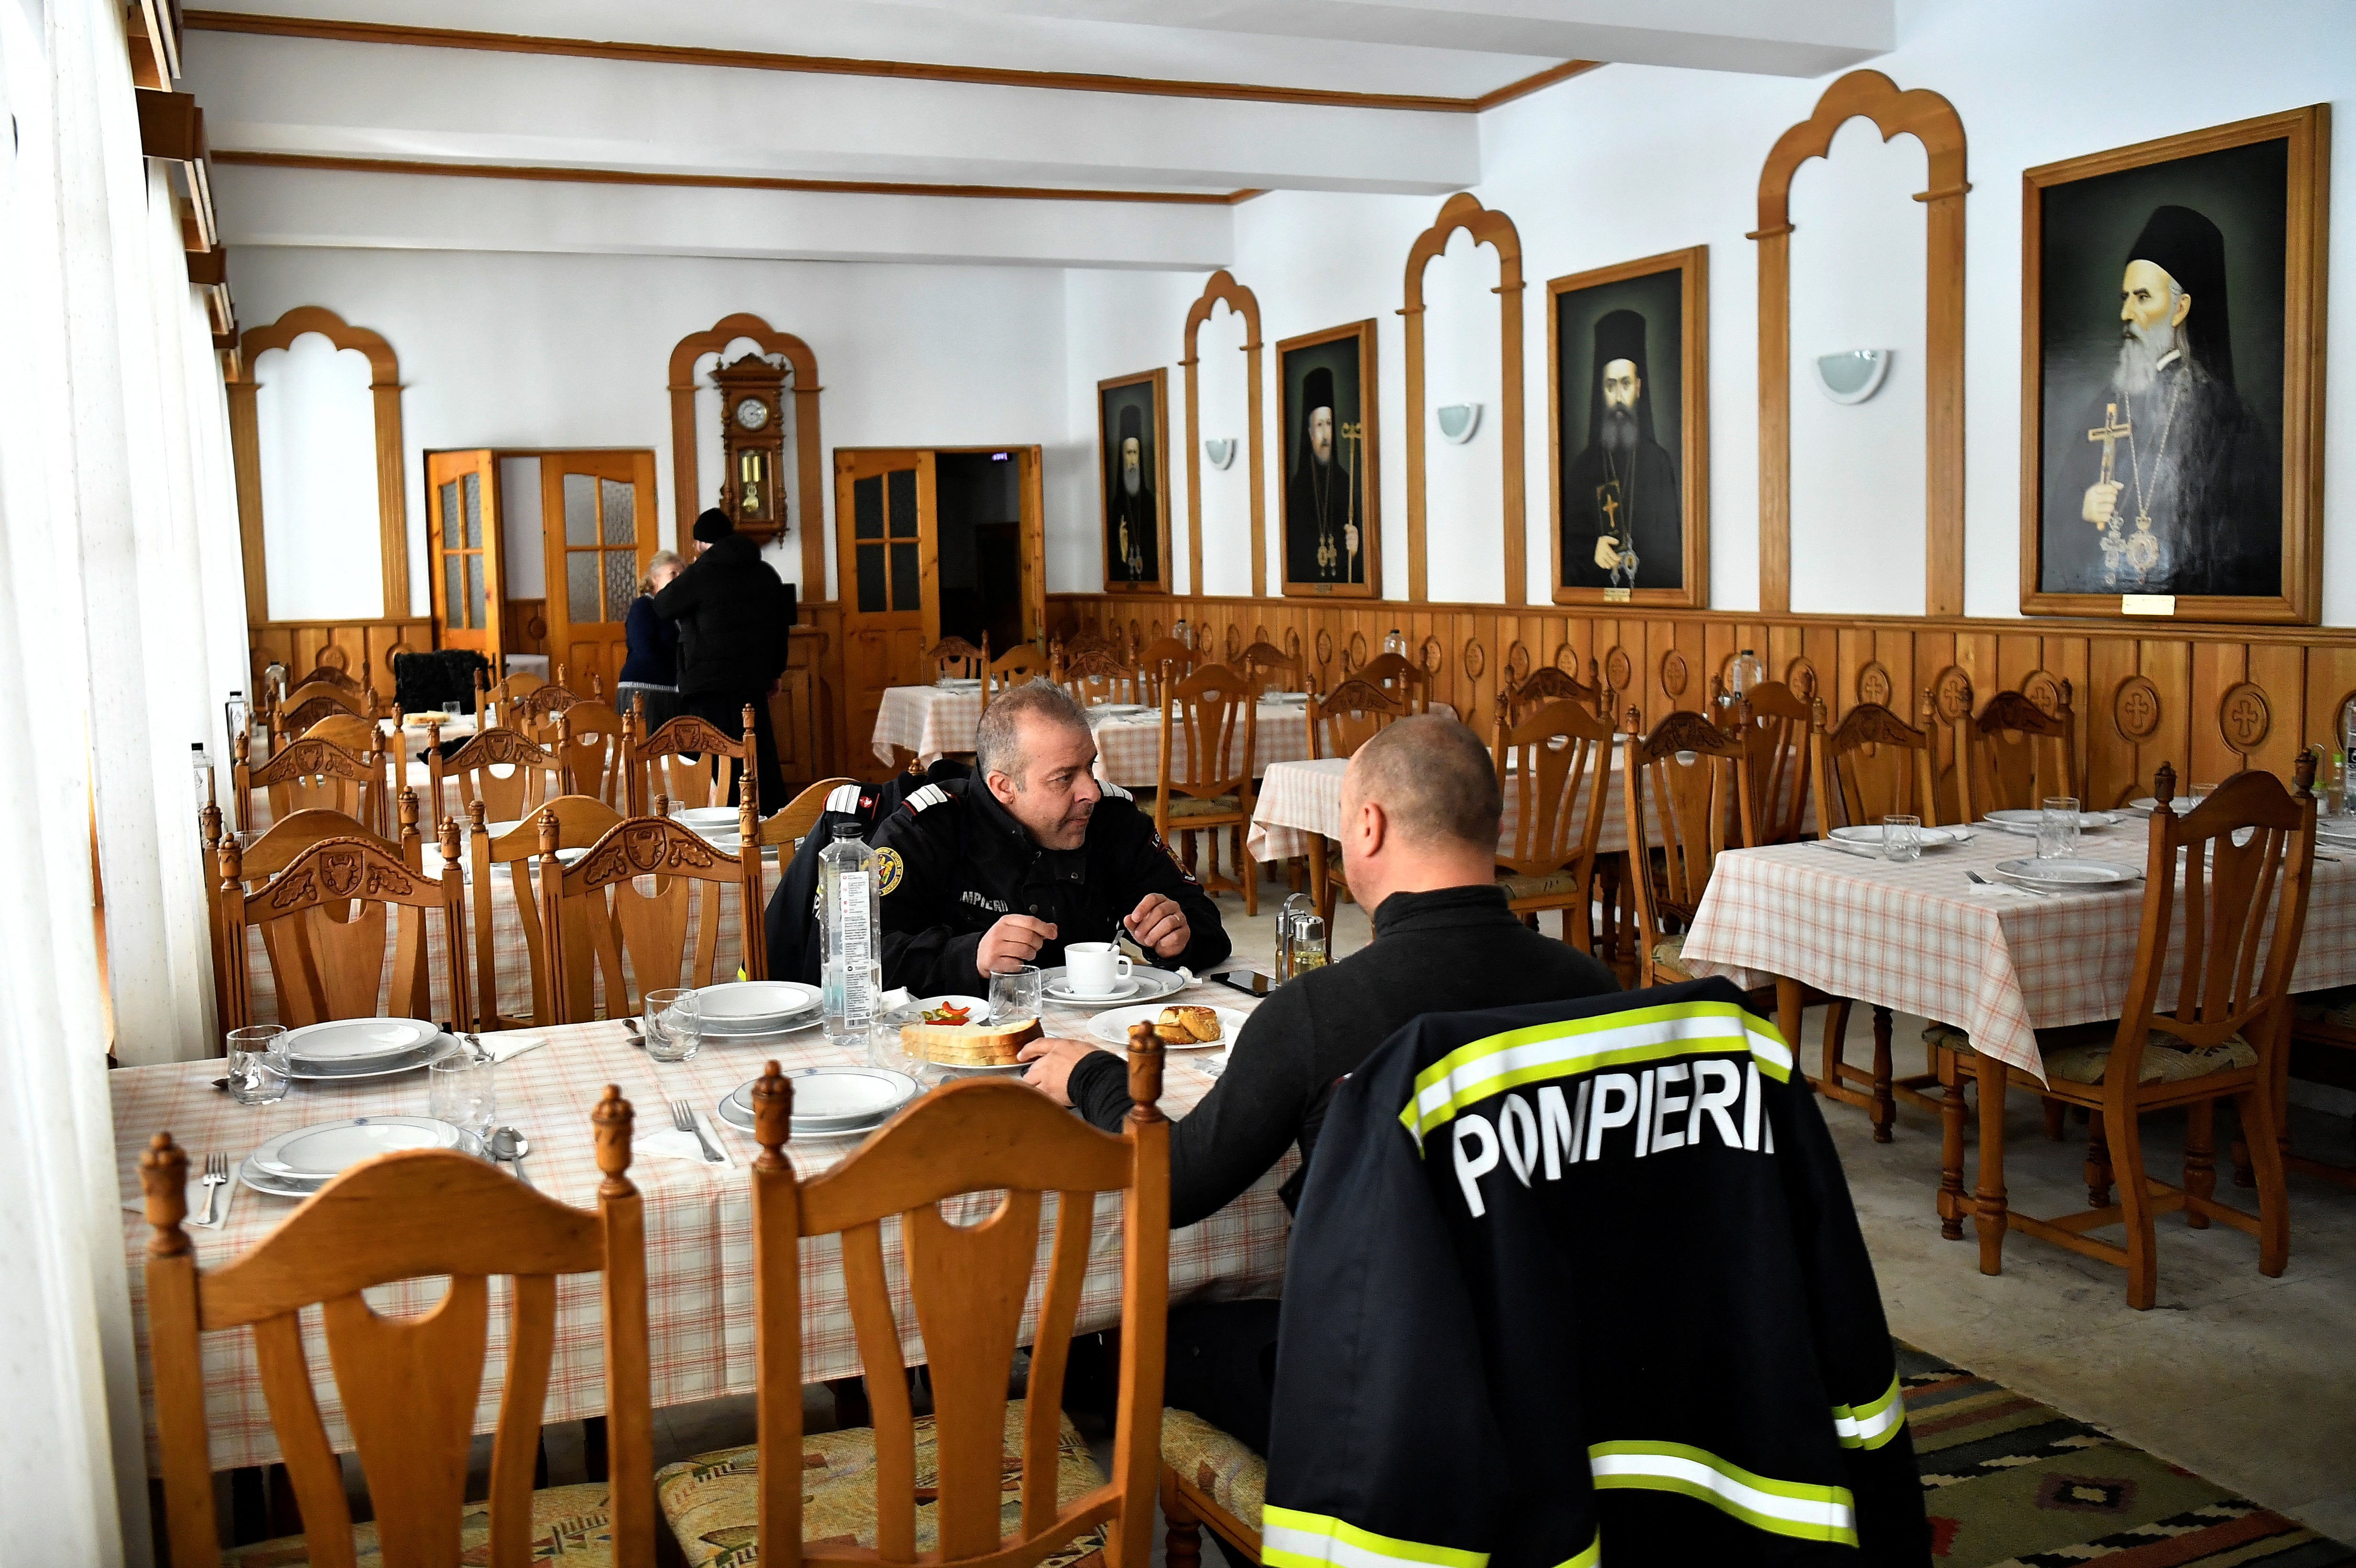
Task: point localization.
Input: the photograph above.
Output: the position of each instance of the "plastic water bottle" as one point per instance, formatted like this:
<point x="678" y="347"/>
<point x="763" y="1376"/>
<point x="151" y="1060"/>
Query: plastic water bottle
<point x="203" y="766"/>
<point x="849" y="917"/>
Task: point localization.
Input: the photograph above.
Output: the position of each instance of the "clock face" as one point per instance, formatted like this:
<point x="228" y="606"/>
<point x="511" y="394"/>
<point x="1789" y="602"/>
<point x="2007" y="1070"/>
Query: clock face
<point x="752" y="413"/>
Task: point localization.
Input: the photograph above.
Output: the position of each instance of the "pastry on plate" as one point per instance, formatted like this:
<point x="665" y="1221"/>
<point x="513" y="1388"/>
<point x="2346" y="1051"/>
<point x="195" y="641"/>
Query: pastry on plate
<point x="1188" y="1026"/>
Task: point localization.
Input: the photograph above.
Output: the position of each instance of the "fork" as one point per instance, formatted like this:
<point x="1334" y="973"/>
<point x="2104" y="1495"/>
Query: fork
<point x="2038" y="893"/>
<point x="682" y="1117"/>
<point x="215" y="1175"/>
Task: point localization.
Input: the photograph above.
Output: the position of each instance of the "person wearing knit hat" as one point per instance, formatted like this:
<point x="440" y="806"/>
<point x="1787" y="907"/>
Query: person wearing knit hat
<point x="734" y="616"/>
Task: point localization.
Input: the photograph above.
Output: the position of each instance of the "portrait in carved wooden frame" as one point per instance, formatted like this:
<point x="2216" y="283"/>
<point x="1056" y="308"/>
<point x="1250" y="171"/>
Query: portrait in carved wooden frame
<point x="1134" y="489"/>
<point x="1325" y="561"/>
<point x="2229" y="206"/>
<point x="1656" y="309"/>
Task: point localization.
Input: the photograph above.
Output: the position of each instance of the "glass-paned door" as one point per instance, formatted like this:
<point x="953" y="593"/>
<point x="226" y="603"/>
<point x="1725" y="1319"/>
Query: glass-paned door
<point x="598" y="527"/>
<point x="462" y="536"/>
<point x="888" y="557"/>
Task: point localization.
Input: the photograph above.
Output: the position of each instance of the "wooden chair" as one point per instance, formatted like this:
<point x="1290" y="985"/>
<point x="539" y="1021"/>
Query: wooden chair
<point x="966" y="1285"/>
<point x="1693" y="772"/>
<point x="1552" y="768"/>
<point x="2013" y="756"/>
<point x="298" y="714"/>
<point x="690" y="761"/>
<point x="587" y="738"/>
<point x="353" y="733"/>
<point x="1400" y="675"/>
<point x="535" y="774"/>
<point x="1774" y="724"/>
<point x="581" y="821"/>
<point x="2222" y="1039"/>
<point x="534" y="711"/>
<point x="601" y="918"/>
<point x="786" y="827"/>
<point x="1340" y="722"/>
<point x="954" y="658"/>
<point x="1094" y="677"/>
<point x="1210" y="734"/>
<point x="302" y="775"/>
<point x="408" y="1386"/>
<point x="1546" y="684"/>
<point x="334" y="672"/>
<point x="330" y="906"/>
<point x="1270" y="667"/>
<point x="1160" y="665"/>
<point x="1019" y="666"/>
<point x="494" y="700"/>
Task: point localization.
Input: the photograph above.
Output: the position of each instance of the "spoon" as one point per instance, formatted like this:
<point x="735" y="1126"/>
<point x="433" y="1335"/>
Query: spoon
<point x="509" y="1145"/>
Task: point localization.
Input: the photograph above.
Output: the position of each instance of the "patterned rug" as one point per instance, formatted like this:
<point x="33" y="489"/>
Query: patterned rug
<point x="2010" y="1484"/>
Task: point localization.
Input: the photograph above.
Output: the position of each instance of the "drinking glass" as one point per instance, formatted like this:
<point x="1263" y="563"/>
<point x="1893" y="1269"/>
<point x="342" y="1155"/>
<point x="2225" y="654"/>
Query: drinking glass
<point x="257" y="1074"/>
<point x="1901" y="838"/>
<point x="2057" y="827"/>
<point x="1307" y="943"/>
<point x="674" y="1024"/>
<point x="455" y="708"/>
<point x="463" y="1093"/>
<point x="1014" y="993"/>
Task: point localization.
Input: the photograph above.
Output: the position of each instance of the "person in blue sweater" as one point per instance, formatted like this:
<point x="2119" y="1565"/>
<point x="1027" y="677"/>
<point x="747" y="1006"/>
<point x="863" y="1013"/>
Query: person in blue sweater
<point x="651" y="671"/>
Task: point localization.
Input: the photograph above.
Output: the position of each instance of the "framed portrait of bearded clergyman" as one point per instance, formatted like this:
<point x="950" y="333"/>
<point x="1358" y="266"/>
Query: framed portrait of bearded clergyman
<point x="1133" y="475"/>
<point x="1326" y="407"/>
<point x="1628" y="353"/>
<point x="2172" y="375"/>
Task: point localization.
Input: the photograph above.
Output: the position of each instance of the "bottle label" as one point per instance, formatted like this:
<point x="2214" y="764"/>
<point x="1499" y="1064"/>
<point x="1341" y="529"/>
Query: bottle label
<point x="858" y="944"/>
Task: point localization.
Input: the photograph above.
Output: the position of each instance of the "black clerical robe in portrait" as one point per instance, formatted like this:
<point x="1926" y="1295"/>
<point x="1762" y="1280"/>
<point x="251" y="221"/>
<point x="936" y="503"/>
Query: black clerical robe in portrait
<point x="1133" y="524"/>
<point x="1323" y="504"/>
<point x="1645" y="502"/>
<point x="2214" y="494"/>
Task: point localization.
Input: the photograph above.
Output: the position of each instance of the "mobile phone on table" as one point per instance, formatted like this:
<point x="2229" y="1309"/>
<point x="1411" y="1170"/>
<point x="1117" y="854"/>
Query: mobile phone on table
<point x="1250" y="982"/>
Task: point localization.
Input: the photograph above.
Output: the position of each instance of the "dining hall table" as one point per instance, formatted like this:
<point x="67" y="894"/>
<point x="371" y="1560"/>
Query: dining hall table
<point x="698" y="1219"/>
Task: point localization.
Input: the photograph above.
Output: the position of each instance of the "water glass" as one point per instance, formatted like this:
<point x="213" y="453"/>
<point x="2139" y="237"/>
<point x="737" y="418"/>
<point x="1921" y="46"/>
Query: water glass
<point x="455" y="708"/>
<point x="257" y="1074"/>
<point x="1901" y="838"/>
<point x="674" y="1025"/>
<point x="1307" y="943"/>
<point x="463" y="1093"/>
<point x="1014" y="993"/>
<point x="2057" y="827"/>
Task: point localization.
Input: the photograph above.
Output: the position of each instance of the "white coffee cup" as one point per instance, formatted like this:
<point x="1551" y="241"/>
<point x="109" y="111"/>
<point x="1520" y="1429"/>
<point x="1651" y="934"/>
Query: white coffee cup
<point x="1095" y="968"/>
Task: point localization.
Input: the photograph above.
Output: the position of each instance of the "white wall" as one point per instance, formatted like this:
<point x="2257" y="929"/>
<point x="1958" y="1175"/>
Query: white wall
<point x="315" y="424"/>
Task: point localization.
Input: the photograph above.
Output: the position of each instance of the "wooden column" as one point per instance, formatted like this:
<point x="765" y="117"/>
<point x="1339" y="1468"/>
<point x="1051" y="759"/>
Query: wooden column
<point x="392" y="495"/>
<point x="245" y="457"/>
<point x="810" y="468"/>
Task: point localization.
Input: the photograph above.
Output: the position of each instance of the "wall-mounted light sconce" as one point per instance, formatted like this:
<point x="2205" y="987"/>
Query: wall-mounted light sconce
<point x="1220" y="452"/>
<point x="1854" y="374"/>
<point x="1458" y="420"/>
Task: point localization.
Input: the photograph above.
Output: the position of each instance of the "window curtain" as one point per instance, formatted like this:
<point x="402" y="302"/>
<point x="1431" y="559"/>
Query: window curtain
<point x="122" y="622"/>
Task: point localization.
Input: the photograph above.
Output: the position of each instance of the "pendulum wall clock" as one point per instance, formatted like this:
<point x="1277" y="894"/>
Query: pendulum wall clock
<point x="753" y="445"/>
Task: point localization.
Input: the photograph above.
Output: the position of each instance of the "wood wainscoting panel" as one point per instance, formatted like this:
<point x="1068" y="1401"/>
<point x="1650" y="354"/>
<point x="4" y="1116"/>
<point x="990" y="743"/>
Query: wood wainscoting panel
<point x="297" y="645"/>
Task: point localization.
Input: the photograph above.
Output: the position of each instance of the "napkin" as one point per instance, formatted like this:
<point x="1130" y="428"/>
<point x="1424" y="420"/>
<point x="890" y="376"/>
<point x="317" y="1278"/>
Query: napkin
<point x="1995" y="890"/>
<point x="672" y="1144"/>
<point x="507" y="1046"/>
<point x="893" y="999"/>
<point x="222" y="1198"/>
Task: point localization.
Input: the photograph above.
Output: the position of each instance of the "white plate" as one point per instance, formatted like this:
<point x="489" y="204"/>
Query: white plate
<point x="1273" y="699"/>
<point x="1112" y="1027"/>
<point x="738" y="1005"/>
<point x="357" y="1040"/>
<point x="1150" y="983"/>
<point x="702" y="817"/>
<point x="2020" y="820"/>
<point x="1117" y="709"/>
<point x="425" y="1055"/>
<point x="328" y="1148"/>
<point x="1122" y="990"/>
<point x="960" y="683"/>
<point x="1933" y="837"/>
<point x="740" y="1117"/>
<point x="2340" y="830"/>
<point x="837" y="1096"/>
<point x="2148" y="803"/>
<point x="2066" y="873"/>
<point x="979" y="1008"/>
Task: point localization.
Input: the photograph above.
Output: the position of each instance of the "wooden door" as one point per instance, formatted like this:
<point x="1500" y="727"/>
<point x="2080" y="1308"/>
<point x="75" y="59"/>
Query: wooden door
<point x="888" y="560"/>
<point x="598" y="529"/>
<point x="462" y="540"/>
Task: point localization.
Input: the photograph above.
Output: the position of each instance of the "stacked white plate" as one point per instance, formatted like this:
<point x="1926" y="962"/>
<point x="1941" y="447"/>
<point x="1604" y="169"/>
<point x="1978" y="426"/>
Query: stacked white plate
<point x="2081" y="875"/>
<point x="1143" y="985"/>
<point x="831" y="1101"/>
<point x="1117" y="709"/>
<point x="297" y="1164"/>
<point x="1870" y="836"/>
<point x="362" y="1048"/>
<point x="960" y="683"/>
<point x="2026" y="823"/>
<point x="706" y="819"/>
<point x="746" y="1011"/>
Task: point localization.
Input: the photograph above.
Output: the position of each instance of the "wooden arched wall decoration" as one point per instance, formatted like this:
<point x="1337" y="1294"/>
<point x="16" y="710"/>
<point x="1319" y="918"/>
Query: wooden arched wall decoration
<point x="1223" y="288"/>
<point x="1496" y="230"/>
<point x="808" y="464"/>
<point x="1932" y="121"/>
<point x="245" y="449"/>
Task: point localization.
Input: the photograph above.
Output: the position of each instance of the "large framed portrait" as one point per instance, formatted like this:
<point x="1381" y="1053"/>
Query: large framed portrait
<point x="1333" y="529"/>
<point x="1133" y="475"/>
<point x="1628" y="353"/>
<point x="2172" y="375"/>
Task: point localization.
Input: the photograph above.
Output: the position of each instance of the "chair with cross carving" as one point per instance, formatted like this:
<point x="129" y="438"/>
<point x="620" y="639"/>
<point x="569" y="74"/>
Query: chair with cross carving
<point x="504" y="769"/>
<point x="300" y="774"/>
<point x="622" y="921"/>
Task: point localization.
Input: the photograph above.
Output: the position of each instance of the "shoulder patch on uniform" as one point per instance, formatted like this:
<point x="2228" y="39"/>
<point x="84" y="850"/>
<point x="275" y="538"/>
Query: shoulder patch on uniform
<point x="889" y="867"/>
<point x="1115" y="790"/>
<point x="931" y="795"/>
<point x="1159" y="844"/>
<point x="844" y="798"/>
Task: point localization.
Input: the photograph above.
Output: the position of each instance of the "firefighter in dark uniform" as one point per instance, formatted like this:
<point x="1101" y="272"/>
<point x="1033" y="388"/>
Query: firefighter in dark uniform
<point x="1030" y="853"/>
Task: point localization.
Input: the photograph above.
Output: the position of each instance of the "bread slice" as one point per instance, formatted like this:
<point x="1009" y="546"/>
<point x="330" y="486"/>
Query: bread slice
<point x="970" y="1045"/>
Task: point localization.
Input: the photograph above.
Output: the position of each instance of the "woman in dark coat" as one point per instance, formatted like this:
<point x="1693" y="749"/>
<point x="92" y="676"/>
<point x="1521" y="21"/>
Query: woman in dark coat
<point x="651" y="671"/>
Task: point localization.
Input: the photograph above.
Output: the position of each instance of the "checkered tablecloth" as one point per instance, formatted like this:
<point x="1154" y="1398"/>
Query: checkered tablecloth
<point x="698" y="1217"/>
<point x="1919" y="937"/>
<point x="1298" y="799"/>
<point x="927" y="720"/>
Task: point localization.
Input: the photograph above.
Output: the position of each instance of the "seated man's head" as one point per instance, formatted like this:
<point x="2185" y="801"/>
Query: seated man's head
<point x="1033" y="751"/>
<point x="1419" y="810"/>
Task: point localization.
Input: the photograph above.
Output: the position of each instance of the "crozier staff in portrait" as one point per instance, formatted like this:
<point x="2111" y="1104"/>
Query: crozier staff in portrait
<point x="2162" y="336"/>
<point x="1132" y="430"/>
<point x="1628" y="369"/>
<point x="1329" y="544"/>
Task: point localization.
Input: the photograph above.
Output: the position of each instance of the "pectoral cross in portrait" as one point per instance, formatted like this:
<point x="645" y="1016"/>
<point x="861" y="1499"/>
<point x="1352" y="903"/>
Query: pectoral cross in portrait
<point x="1353" y="436"/>
<point x="2110" y="432"/>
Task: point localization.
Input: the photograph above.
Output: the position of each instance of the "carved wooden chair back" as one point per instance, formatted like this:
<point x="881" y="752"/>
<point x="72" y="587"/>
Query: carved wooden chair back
<point x="690" y="761"/>
<point x="352" y="732"/>
<point x="942" y="1160"/>
<point x="1094" y="676"/>
<point x="2013" y="755"/>
<point x="1551" y="768"/>
<point x="1353" y="713"/>
<point x="283" y="944"/>
<point x="334" y="672"/>
<point x="1874" y="764"/>
<point x="587" y="738"/>
<point x="495" y="701"/>
<point x="1547" y="684"/>
<point x="296" y="715"/>
<point x="1774" y="722"/>
<point x="788" y="825"/>
<point x="409" y="1387"/>
<point x="954" y="658"/>
<point x="1685" y="785"/>
<point x="1271" y="667"/>
<point x="602" y="914"/>
<point x="302" y="775"/>
<point x="1161" y="663"/>
<point x="1399" y="674"/>
<point x="504" y="769"/>
<point x="534" y="711"/>
<point x="581" y="821"/>
<point x="330" y="904"/>
<point x="1210" y="727"/>
<point x="1018" y="666"/>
